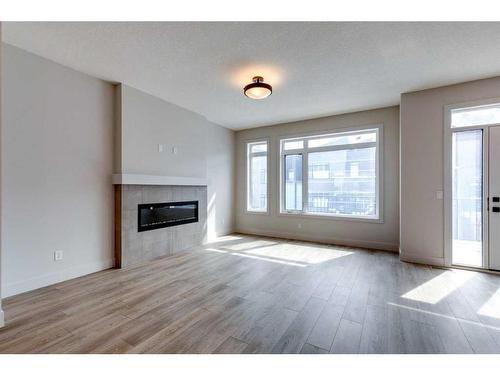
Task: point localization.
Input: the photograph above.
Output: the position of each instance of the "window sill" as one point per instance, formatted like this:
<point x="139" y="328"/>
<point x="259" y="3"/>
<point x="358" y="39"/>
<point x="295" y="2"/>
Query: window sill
<point x="375" y="220"/>
<point x="257" y="212"/>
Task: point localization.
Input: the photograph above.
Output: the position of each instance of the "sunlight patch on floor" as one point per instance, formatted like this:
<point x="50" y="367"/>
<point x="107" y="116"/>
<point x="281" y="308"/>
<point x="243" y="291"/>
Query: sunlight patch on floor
<point x="439" y="287"/>
<point x="479" y="324"/>
<point x="467" y="253"/>
<point x="300" y="253"/>
<point x="249" y="245"/>
<point x="226" y="239"/>
<point x="492" y="307"/>
<point x="288" y="263"/>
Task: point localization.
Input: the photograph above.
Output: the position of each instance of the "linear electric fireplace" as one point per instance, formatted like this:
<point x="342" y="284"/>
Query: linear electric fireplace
<point x="161" y="215"/>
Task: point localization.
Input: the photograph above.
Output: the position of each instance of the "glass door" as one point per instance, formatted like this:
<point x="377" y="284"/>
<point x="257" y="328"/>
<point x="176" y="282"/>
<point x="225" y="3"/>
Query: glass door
<point x="467" y="198"/>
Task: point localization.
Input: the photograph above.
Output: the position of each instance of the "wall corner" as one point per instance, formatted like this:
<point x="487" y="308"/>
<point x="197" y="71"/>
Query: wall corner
<point x="117" y="152"/>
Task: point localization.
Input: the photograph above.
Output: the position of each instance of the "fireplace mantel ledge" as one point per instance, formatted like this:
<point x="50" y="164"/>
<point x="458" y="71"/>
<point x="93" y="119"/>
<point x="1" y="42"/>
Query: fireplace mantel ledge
<point x="144" y="179"/>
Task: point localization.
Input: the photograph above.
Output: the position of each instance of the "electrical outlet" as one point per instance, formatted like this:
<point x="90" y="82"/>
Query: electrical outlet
<point x="299" y="225"/>
<point x="58" y="255"/>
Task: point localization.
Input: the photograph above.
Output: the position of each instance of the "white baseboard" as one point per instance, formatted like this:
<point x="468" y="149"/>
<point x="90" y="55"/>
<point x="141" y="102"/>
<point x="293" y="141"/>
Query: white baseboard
<point x="415" y="258"/>
<point x="225" y="232"/>
<point x="322" y="239"/>
<point x="11" y="289"/>
<point x="215" y="235"/>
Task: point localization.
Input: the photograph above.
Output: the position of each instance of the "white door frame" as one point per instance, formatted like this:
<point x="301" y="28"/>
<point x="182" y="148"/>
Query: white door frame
<point x="448" y="178"/>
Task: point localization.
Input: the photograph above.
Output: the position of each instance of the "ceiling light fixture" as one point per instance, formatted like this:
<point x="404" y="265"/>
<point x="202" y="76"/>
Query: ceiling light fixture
<point x="258" y="89"/>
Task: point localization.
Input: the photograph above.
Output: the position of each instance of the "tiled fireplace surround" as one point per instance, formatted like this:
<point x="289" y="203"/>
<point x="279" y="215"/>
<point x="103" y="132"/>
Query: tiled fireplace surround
<point x="134" y="248"/>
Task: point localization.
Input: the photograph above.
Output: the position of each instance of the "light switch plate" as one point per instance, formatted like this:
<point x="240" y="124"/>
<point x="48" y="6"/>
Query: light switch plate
<point x="439" y="194"/>
<point x="160" y="147"/>
<point x="58" y="255"/>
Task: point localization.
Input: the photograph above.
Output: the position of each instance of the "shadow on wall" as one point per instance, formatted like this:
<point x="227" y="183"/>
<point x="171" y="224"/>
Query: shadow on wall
<point x="212" y="218"/>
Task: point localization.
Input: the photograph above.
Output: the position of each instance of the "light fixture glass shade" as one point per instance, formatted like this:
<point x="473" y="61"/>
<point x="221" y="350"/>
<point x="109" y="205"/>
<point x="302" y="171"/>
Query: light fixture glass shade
<point x="258" y="89"/>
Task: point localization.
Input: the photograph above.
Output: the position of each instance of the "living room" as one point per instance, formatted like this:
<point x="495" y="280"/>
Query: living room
<point x="250" y="187"/>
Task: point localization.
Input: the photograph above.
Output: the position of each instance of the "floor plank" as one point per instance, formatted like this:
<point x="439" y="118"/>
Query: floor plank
<point x="326" y="326"/>
<point x="374" y="338"/>
<point x="311" y="349"/>
<point x="231" y="346"/>
<point x="295" y="336"/>
<point x="347" y="338"/>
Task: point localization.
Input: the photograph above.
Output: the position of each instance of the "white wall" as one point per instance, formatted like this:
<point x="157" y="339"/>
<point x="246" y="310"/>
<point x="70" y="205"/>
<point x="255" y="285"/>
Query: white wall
<point x="367" y="234"/>
<point x="422" y="121"/>
<point x="1" y="206"/>
<point x="57" y="149"/>
<point x="220" y="175"/>
<point x="204" y="150"/>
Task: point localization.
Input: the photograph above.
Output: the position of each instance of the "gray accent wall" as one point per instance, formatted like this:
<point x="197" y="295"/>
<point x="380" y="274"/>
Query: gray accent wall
<point x="379" y="235"/>
<point x="147" y="121"/>
<point x="203" y="150"/>
<point x="142" y="247"/>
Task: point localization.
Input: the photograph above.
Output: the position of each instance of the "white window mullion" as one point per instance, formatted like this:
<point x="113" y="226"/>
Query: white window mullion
<point x="253" y="154"/>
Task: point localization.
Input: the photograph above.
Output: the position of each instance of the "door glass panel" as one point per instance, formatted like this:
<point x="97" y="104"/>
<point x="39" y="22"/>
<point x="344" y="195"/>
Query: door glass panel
<point x="467" y="198"/>
<point x="293" y="182"/>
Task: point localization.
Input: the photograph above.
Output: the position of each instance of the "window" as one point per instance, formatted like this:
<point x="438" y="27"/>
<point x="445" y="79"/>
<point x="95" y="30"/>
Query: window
<point x="293" y="182"/>
<point x="332" y="175"/>
<point x="293" y="145"/>
<point x="472" y="116"/>
<point x="257" y="176"/>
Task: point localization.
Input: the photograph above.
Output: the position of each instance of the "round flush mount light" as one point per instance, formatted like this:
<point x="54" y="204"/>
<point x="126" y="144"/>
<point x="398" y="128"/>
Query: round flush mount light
<point x="258" y="89"/>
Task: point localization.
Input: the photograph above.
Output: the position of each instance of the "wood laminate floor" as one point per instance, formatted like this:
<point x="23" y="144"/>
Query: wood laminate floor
<point x="246" y="294"/>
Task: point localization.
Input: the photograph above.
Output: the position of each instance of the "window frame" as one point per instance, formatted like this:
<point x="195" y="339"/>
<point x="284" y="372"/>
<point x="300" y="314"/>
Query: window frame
<point x="248" y="156"/>
<point x="305" y="151"/>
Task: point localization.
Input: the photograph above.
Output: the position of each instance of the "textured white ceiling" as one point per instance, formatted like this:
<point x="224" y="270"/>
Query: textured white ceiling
<point x="316" y="69"/>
